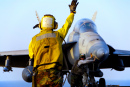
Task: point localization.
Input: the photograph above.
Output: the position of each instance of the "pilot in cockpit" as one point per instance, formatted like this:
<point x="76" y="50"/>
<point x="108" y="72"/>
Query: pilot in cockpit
<point x="85" y="25"/>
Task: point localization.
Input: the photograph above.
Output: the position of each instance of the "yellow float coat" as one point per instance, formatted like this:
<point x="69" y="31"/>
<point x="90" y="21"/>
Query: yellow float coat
<point x="46" y="46"/>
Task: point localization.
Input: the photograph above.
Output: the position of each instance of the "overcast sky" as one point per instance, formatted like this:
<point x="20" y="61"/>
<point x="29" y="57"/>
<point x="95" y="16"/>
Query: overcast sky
<point x="17" y="18"/>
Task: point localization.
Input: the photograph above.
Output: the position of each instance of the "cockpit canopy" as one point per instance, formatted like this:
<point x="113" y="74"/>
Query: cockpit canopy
<point x="85" y="25"/>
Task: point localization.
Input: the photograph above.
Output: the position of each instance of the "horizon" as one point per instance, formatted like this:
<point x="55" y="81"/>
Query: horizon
<point x="25" y="84"/>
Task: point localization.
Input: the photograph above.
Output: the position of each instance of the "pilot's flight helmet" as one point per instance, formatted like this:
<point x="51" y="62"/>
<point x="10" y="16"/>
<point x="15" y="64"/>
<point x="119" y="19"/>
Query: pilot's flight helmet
<point x="48" y="22"/>
<point x="82" y="56"/>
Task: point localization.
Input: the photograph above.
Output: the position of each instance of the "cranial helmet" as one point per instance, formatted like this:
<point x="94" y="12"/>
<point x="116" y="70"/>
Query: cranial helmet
<point x="48" y="22"/>
<point x="82" y="56"/>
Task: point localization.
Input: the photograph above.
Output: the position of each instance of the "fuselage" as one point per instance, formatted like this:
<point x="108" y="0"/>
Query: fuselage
<point x="88" y="41"/>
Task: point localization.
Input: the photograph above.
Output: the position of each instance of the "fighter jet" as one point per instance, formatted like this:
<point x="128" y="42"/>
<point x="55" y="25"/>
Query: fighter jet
<point x="87" y="40"/>
<point x="83" y="39"/>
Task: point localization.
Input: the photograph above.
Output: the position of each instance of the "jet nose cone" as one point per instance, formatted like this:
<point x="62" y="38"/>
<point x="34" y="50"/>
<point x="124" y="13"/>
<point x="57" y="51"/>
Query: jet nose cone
<point x="102" y="53"/>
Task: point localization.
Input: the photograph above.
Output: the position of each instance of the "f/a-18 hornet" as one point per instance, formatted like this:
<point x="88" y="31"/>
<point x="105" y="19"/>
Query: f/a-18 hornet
<point x="83" y="39"/>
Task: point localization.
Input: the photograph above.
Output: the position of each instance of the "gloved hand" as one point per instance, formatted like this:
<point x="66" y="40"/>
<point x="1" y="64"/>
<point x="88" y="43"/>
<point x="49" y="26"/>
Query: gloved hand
<point x="73" y="6"/>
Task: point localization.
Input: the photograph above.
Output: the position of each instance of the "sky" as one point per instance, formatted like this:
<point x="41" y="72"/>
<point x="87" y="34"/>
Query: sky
<point x="17" y="18"/>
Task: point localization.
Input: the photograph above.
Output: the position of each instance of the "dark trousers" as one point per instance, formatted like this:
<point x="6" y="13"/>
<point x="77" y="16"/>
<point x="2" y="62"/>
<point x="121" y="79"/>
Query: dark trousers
<point x="76" y="80"/>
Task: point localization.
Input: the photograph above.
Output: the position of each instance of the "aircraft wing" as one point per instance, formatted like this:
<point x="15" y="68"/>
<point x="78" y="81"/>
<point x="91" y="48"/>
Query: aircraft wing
<point x="18" y="52"/>
<point x="117" y="59"/>
<point x="66" y="46"/>
<point x="122" y="52"/>
<point x="18" y="58"/>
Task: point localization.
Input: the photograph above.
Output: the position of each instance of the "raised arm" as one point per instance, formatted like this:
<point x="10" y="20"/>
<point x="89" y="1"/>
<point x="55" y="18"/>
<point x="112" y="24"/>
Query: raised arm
<point x="64" y="30"/>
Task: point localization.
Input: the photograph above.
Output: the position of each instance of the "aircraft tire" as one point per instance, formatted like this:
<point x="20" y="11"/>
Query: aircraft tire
<point x="69" y="78"/>
<point x="90" y="85"/>
<point x="102" y="82"/>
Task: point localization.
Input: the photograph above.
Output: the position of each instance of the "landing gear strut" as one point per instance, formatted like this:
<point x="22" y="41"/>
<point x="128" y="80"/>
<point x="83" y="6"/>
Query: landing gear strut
<point x="92" y="83"/>
<point x="90" y="80"/>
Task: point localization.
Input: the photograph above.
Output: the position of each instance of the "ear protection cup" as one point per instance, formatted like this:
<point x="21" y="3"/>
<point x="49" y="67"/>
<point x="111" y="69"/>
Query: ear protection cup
<point x="40" y="26"/>
<point x="48" y="22"/>
<point x="55" y="25"/>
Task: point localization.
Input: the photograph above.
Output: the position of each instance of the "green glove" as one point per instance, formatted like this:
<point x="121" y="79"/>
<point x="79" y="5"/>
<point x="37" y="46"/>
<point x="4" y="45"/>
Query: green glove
<point x="73" y="6"/>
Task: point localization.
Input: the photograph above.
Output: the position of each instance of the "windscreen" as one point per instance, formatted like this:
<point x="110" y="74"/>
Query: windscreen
<point x="85" y="25"/>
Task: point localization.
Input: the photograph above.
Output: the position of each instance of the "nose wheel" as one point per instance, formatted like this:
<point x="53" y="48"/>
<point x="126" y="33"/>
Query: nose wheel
<point x="102" y="82"/>
<point x="90" y="81"/>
